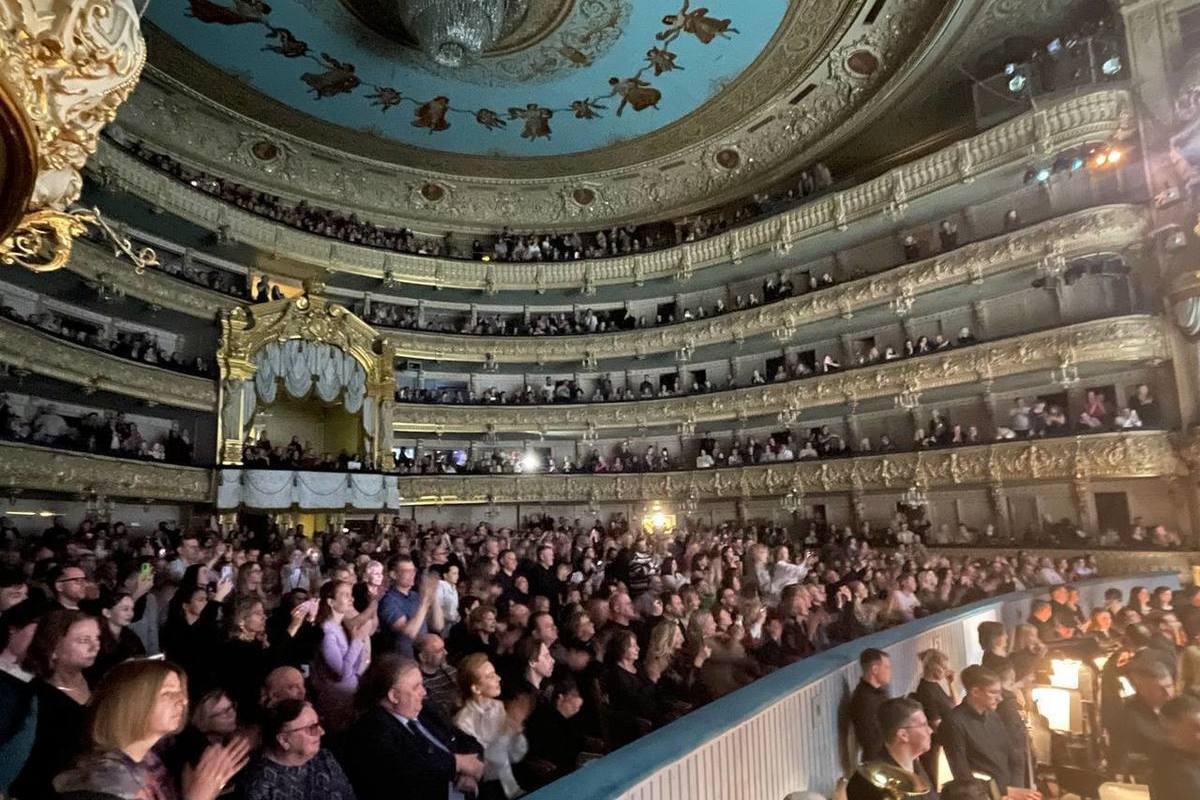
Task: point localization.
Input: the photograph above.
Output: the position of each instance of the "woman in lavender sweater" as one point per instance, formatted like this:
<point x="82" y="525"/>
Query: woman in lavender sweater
<point x="342" y="656"/>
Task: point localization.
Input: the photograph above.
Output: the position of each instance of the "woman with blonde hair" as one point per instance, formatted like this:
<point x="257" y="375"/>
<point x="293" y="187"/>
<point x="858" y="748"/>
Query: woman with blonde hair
<point x="136" y="706"/>
<point x="935" y="691"/>
<point x="499" y="730"/>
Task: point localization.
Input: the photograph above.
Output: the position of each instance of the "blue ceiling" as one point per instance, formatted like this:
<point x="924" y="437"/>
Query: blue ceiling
<point x="605" y="71"/>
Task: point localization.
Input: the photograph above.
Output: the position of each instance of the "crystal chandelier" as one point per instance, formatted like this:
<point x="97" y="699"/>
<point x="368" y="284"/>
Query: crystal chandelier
<point x="453" y="31"/>
<point x="914" y="497"/>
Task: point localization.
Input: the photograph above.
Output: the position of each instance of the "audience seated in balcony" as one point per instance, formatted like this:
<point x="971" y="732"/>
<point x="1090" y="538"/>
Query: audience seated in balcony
<point x="109" y="434"/>
<point x="133" y="345"/>
<point x="504" y="246"/>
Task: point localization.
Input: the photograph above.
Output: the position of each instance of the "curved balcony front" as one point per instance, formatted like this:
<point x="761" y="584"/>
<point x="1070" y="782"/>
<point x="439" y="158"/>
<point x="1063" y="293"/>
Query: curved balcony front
<point x="1094" y="116"/>
<point x="785" y="732"/>
<point x="25" y="348"/>
<point x="1142" y="454"/>
<point x="28" y="467"/>
<point x="1095" y="230"/>
<point x="1116" y="341"/>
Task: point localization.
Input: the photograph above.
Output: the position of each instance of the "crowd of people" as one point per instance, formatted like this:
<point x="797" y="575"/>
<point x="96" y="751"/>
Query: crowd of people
<point x="470" y="659"/>
<point x="108" y="434"/>
<point x="504" y="246"/>
<point x="981" y="720"/>
<point x="133" y="345"/>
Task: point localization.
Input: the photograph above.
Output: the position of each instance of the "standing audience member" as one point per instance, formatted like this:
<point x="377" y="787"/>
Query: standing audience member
<point x="1176" y="772"/>
<point x="340" y="658"/>
<point x="976" y="740"/>
<point x="870" y="693"/>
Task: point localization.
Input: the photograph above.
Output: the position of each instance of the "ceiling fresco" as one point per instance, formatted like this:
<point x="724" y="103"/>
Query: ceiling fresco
<point x="567" y="76"/>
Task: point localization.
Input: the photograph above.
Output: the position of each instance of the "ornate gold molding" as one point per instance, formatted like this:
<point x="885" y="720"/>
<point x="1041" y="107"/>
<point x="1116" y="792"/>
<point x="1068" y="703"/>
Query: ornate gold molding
<point x="1146" y="454"/>
<point x="1072" y="121"/>
<point x="1123" y="340"/>
<point x="29" y="467"/>
<point x="96" y="264"/>
<point x="42" y="354"/>
<point x="66" y="66"/>
<point x="1081" y="233"/>
<point x="246" y="330"/>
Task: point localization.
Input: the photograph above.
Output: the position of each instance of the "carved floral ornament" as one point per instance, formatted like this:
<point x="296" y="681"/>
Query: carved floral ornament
<point x="312" y="318"/>
<point x="1147" y="454"/>
<point x="1125" y="340"/>
<point x="25" y="348"/>
<point x="31" y="467"/>
<point x="65" y="68"/>
<point x="170" y="117"/>
<point x="1077" y="234"/>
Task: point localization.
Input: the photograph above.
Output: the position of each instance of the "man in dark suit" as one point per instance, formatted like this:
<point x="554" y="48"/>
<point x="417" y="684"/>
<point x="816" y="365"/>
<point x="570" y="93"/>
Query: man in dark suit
<point x="397" y="748"/>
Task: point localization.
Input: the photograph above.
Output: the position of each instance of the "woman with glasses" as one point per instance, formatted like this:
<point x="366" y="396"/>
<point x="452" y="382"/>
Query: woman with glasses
<point x="138" y="704"/>
<point x="214" y="721"/>
<point x="293" y="765"/>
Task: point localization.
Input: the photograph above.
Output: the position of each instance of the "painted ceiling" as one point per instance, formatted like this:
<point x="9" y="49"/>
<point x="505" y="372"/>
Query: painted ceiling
<point x="568" y="76"/>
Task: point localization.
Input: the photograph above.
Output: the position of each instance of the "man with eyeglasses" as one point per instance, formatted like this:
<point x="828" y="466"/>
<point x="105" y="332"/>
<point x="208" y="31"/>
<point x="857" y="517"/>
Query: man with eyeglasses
<point x="68" y="582"/>
<point x="976" y="740"/>
<point x="907" y="735"/>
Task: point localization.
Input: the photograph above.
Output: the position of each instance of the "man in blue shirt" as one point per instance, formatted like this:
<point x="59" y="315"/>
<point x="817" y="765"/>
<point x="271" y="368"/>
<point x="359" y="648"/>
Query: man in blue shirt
<point x="405" y="613"/>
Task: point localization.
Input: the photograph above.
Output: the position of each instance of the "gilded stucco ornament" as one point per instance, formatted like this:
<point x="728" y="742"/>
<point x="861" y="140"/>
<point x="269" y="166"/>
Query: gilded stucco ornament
<point x="1082" y="233"/>
<point x="1143" y="454"/>
<point x="67" y="65"/>
<point x="1123" y="340"/>
<point x="1069" y="122"/>
<point x="22" y="347"/>
<point x="25" y="466"/>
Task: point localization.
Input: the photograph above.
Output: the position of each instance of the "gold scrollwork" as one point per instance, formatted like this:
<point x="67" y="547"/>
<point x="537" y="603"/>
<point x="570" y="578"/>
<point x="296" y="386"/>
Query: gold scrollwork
<point x="25" y="466"/>
<point x="1112" y="226"/>
<point x="1118" y="456"/>
<point x="1122" y="340"/>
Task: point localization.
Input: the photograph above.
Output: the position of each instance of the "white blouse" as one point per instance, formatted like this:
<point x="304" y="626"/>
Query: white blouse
<point x="485" y="720"/>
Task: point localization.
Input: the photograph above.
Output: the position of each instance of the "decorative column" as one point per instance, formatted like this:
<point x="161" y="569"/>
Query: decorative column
<point x="858" y="509"/>
<point x="847" y="350"/>
<point x="1085" y="509"/>
<point x="998" y="503"/>
<point x="979" y="319"/>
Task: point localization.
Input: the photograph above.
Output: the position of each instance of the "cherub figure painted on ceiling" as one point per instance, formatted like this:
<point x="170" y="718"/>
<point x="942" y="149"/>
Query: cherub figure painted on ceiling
<point x="537" y="120"/>
<point x="338" y="79"/>
<point x="698" y="23"/>
<point x="289" y="46"/>
<point x="635" y="92"/>
<point x="432" y="115"/>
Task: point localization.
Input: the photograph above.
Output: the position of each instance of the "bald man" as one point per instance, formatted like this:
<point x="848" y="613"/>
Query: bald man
<point x="282" y="683"/>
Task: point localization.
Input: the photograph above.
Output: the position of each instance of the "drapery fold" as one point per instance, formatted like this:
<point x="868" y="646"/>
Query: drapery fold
<point x="283" y="489"/>
<point x="303" y="366"/>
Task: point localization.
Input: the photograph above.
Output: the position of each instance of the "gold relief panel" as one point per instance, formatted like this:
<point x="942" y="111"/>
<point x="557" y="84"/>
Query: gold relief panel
<point x="42" y="354"/>
<point x="246" y="330"/>
<point x="1092" y="116"/>
<point x="1122" y="340"/>
<point x="1143" y="454"/>
<point x="96" y="265"/>
<point x="28" y="467"/>
<point x="1084" y="232"/>
<point x="1110" y="562"/>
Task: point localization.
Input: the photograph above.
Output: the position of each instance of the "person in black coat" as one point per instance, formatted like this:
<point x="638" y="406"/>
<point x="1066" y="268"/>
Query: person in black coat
<point x="868" y="696"/>
<point x="397" y="746"/>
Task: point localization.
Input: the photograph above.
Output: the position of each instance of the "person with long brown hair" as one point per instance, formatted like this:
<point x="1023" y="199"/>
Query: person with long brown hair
<point x="137" y="705"/>
<point x="341" y="657"/>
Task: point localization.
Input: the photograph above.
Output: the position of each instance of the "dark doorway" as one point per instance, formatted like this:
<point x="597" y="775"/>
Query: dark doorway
<point x="1112" y="511"/>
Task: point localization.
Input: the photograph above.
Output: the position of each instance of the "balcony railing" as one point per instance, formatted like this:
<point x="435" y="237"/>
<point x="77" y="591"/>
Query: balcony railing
<point x="785" y="732"/>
